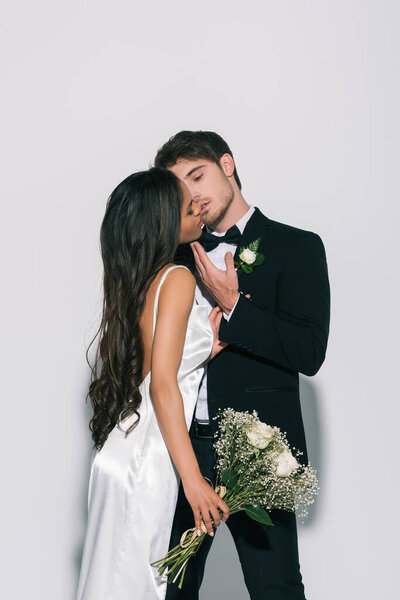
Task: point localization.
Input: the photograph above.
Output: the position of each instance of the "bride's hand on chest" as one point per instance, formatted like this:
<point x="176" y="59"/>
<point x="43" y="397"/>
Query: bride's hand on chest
<point x="215" y="317"/>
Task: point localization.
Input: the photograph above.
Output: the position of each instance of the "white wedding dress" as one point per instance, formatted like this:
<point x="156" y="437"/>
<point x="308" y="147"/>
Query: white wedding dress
<point x="133" y="487"/>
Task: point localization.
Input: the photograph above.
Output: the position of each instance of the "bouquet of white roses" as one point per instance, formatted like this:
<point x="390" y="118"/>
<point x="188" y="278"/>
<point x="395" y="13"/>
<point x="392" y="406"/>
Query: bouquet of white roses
<point x="256" y="472"/>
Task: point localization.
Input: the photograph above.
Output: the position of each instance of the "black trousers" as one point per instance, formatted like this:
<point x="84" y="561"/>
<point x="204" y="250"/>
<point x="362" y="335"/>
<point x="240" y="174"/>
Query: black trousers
<point x="268" y="555"/>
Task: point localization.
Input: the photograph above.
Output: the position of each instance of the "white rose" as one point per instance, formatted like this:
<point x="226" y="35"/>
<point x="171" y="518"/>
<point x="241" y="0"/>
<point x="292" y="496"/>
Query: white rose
<point x="259" y="435"/>
<point x="286" y="464"/>
<point x="247" y="256"/>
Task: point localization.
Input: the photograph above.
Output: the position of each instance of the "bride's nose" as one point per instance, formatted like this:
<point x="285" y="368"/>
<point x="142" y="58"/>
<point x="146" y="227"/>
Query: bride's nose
<point x="196" y="209"/>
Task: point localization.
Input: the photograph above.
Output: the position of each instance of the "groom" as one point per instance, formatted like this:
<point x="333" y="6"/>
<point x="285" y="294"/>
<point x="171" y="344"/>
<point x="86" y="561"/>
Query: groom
<point x="275" y="325"/>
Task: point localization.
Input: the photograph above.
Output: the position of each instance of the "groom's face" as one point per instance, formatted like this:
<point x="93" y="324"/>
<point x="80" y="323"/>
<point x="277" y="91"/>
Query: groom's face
<point x="210" y="188"/>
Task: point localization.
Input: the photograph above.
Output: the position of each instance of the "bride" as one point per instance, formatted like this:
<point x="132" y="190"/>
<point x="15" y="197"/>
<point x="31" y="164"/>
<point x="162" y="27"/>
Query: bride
<point x="154" y="340"/>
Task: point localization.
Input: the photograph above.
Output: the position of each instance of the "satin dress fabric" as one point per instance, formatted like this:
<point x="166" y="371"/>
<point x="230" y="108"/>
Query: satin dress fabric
<point x="133" y="487"/>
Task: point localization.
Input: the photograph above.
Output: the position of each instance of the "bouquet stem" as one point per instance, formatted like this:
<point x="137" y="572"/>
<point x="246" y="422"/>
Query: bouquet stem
<point x="177" y="559"/>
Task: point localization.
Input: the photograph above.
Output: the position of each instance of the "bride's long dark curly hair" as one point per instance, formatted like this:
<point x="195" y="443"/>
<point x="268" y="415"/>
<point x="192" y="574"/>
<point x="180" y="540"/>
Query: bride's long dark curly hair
<point x="139" y="236"/>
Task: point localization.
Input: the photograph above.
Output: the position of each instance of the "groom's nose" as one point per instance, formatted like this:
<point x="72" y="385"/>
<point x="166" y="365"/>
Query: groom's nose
<point x="195" y="196"/>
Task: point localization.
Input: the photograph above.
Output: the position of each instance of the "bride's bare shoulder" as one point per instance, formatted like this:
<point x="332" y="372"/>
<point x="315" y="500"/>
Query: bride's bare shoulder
<point x="178" y="287"/>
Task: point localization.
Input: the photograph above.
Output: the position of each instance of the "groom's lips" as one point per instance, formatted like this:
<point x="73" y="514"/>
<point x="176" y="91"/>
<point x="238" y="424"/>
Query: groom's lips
<point x="203" y="207"/>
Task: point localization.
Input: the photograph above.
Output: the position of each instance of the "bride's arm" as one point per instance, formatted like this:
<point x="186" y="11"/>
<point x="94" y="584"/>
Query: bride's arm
<point x="175" y="304"/>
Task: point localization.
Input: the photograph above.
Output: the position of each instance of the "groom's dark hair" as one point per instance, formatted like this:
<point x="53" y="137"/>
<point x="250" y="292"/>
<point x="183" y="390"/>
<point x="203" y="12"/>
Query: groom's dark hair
<point x="192" y="145"/>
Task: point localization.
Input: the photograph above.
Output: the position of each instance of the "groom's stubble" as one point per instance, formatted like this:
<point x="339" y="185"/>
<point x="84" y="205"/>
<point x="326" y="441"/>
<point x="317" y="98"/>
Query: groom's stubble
<point x="220" y="205"/>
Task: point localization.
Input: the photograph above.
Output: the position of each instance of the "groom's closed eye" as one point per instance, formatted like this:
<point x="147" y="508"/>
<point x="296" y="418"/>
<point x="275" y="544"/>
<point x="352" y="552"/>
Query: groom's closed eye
<point x="194" y="173"/>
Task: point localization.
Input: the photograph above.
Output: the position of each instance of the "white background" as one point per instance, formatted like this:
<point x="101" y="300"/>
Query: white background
<point x="307" y="95"/>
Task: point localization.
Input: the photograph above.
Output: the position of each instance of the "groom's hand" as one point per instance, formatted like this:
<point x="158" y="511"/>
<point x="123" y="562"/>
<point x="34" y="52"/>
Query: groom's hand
<point x="223" y="285"/>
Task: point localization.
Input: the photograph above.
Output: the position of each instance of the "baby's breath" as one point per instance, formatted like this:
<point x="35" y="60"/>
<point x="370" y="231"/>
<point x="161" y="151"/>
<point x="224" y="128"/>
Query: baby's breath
<point x="258" y="484"/>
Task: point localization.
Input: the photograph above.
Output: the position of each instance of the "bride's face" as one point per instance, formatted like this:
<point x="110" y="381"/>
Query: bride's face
<point x="190" y="217"/>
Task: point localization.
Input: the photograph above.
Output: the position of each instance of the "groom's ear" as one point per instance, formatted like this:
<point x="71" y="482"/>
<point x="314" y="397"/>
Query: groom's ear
<point x="227" y="164"/>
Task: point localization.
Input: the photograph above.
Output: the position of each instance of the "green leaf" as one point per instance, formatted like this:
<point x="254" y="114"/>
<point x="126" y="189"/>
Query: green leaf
<point x="229" y="478"/>
<point x="259" y="259"/>
<point x="246" y="268"/>
<point x="258" y="514"/>
<point x="255" y="245"/>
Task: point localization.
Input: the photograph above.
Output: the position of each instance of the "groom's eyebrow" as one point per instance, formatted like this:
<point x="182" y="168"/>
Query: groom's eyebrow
<point x="189" y="173"/>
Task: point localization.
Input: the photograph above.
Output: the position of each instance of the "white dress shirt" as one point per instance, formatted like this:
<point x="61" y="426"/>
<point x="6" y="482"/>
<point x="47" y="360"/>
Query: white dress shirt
<point x="217" y="257"/>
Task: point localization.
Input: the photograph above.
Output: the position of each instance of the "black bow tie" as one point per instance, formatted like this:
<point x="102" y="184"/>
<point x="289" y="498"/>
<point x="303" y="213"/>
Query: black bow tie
<point x="209" y="241"/>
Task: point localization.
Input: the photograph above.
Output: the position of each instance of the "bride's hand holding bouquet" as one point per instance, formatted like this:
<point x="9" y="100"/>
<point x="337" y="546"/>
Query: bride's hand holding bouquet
<point x="205" y="504"/>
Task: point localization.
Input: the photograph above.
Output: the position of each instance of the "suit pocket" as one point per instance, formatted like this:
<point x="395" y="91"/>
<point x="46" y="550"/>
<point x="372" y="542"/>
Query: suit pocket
<point x="281" y="388"/>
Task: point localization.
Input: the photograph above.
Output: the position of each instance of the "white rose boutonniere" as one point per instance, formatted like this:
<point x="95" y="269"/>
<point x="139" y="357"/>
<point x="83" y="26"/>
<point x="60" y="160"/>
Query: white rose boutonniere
<point x="260" y="434"/>
<point x="249" y="257"/>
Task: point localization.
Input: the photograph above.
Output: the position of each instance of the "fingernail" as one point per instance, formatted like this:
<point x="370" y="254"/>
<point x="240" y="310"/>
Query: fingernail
<point x="198" y="533"/>
<point x="211" y="533"/>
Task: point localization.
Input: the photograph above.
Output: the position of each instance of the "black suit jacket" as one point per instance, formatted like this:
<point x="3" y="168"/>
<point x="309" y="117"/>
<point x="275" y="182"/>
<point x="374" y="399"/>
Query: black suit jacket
<point x="281" y="331"/>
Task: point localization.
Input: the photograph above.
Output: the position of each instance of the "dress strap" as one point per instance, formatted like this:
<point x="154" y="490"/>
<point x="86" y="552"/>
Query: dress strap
<point x="163" y="278"/>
